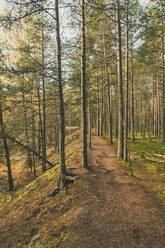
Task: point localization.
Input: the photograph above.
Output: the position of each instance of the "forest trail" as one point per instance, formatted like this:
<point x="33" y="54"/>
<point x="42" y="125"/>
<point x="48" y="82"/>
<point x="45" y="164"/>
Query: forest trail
<point x="113" y="210"/>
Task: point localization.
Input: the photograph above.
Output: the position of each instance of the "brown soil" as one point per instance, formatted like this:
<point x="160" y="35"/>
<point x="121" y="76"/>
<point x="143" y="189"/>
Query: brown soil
<point x="103" y="208"/>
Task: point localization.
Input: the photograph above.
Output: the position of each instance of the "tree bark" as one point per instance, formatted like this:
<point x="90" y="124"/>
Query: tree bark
<point x="126" y="87"/>
<point x="98" y="108"/>
<point x="83" y="86"/>
<point x="108" y="92"/>
<point x="141" y="111"/>
<point x="89" y="116"/>
<point x="61" y="100"/>
<point x="44" y="108"/>
<point x="116" y="112"/>
<point x="157" y="108"/>
<point x="163" y="85"/>
<point x="132" y="94"/>
<point x="153" y="108"/>
<point x="40" y="133"/>
<point x="102" y="106"/>
<point x="33" y="138"/>
<point x="7" y="155"/>
<point x="29" y="157"/>
<point x="120" y="152"/>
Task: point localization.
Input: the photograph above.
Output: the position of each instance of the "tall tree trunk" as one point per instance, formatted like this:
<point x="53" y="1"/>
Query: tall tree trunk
<point x="44" y="107"/>
<point x="40" y="139"/>
<point x="132" y="94"/>
<point x="120" y="152"/>
<point x="108" y="92"/>
<point x="61" y="100"/>
<point x="29" y="157"/>
<point x="33" y="138"/>
<point x="116" y="112"/>
<point x="153" y="107"/>
<point x="149" y="122"/>
<point x="105" y="110"/>
<point x="56" y="123"/>
<point x="157" y="108"/>
<point x="7" y="155"/>
<point x="163" y="85"/>
<point x="136" y="115"/>
<point x="126" y="88"/>
<point x="98" y="108"/>
<point x="141" y="112"/>
<point x="83" y="85"/>
<point x="89" y="116"/>
<point x="102" y="106"/>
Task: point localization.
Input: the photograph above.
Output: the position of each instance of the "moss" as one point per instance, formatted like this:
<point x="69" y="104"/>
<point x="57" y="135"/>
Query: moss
<point x="36" y="242"/>
<point x="74" y="155"/>
<point x="49" y="176"/>
<point x="1" y="208"/>
<point x="4" y="199"/>
<point x="61" y="233"/>
<point x="57" y="236"/>
<point x="149" y="147"/>
<point x="8" y="198"/>
<point x="162" y="175"/>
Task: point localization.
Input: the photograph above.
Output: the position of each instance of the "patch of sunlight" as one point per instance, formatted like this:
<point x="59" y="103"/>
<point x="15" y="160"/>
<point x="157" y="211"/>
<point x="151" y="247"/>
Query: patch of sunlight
<point x="48" y="176"/>
<point x="3" y="200"/>
<point x="152" y="168"/>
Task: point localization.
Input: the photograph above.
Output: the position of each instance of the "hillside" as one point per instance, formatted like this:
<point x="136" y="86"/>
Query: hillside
<point x="22" y="212"/>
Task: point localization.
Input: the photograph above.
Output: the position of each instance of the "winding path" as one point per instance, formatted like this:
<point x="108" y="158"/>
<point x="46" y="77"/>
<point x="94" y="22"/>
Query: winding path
<point x="113" y="211"/>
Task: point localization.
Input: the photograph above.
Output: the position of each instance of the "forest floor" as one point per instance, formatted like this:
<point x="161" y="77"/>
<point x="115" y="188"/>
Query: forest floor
<point x="104" y="207"/>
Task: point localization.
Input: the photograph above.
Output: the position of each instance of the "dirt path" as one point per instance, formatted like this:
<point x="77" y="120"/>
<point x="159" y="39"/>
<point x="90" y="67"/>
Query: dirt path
<point x="113" y="210"/>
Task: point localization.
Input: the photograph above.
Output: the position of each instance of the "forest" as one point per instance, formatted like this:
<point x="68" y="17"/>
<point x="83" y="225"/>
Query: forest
<point x="82" y="123"/>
